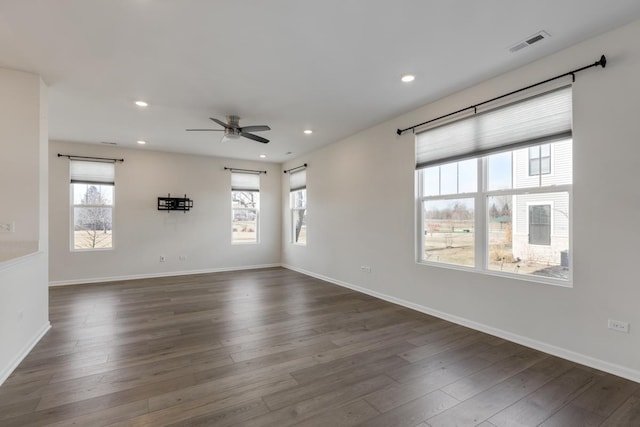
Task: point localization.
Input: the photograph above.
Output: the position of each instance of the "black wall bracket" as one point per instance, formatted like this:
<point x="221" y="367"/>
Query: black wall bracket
<point x="174" y="203"/>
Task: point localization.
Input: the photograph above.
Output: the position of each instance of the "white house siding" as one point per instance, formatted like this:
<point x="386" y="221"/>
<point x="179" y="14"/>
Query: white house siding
<point x="561" y="169"/>
<point x="561" y="174"/>
<point x="549" y="254"/>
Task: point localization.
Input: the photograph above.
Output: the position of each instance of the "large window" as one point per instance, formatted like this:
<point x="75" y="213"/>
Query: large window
<point x="245" y="207"/>
<point x="298" y="205"/>
<point x="92" y="196"/>
<point x="483" y="208"/>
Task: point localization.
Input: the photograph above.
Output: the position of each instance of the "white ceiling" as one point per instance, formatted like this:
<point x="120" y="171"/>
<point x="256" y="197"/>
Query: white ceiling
<point x="330" y="65"/>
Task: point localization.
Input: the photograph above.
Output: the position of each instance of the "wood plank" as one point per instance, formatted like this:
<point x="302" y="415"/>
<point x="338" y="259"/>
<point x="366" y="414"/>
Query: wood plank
<point x="542" y="403"/>
<point x="415" y="411"/>
<point x="352" y="414"/>
<point x="471" y="385"/>
<point x="399" y="394"/>
<point x="106" y="417"/>
<point x="226" y="417"/>
<point x="626" y="415"/>
<point x="317" y="402"/>
<point x="487" y="403"/>
<point x="331" y="383"/>
<point x="272" y="347"/>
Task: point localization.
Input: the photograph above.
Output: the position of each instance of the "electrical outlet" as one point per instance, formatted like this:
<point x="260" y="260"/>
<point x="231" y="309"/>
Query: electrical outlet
<point x="162" y="258"/>
<point x="365" y="268"/>
<point x="619" y="326"/>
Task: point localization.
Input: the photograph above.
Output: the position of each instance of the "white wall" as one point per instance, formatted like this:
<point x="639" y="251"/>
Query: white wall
<point x="19" y="136"/>
<point x="24" y="295"/>
<point x="361" y="212"/>
<point x="142" y="233"/>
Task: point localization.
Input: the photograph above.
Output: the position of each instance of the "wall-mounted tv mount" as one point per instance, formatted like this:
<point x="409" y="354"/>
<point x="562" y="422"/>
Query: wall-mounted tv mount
<point x="174" y="203"/>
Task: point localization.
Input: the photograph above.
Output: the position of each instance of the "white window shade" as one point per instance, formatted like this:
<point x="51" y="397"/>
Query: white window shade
<point x="87" y="172"/>
<point x="298" y="180"/>
<point x="545" y="117"/>
<point x="245" y="181"/>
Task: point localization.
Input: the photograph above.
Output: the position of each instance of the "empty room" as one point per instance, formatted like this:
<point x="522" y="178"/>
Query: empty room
<point x="319" y="213"/>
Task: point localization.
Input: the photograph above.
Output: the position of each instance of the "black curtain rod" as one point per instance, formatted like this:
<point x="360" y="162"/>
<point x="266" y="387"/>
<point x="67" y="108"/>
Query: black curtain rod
<point x="91" y="159"/>
<point x="601" y="62"/>
<point x="244" y="170"/>
<point x="296" y="168"/>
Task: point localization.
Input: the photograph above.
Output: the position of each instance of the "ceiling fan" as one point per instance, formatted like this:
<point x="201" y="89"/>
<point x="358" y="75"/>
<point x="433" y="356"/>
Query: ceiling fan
<point x="232" y="129"/>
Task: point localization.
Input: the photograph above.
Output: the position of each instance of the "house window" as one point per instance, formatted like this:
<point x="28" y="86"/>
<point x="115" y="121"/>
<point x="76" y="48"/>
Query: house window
<point x="298" y="206"/>
<point x="540" y="160"/>
<point x="92" y="196"/>
<point x="540" y="224"/>
<point x="448" y="211"/>
<point x="245" y="207"/>
<point x="480" y="209"/>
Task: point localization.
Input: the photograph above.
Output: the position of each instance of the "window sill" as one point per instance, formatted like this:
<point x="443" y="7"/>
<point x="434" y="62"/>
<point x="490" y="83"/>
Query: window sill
<point x="89" y="250"/>
<point x="521" y="277"/>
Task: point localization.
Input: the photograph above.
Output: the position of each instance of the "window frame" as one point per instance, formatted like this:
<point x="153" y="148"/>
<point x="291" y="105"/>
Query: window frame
<point x="89" y="180"/>
<point x="481" y="228"/>
<point x="255" y="210"/>
<point x="72" y="216"/>
<point x="293" y="210"/>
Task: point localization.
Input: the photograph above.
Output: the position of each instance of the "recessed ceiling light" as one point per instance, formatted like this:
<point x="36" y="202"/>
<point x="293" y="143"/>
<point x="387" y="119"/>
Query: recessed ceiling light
<point x="308" y="131"/>
<point x="141" y="104"/>
<point x="408" y="78"/>
<point x="262" y="156"/>
<point x="141" y="142"/>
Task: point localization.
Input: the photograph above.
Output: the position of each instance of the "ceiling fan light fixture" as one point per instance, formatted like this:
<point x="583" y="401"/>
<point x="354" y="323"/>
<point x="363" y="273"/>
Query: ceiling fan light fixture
<point x="233" y="130"/>
<point x="230" y="134"/>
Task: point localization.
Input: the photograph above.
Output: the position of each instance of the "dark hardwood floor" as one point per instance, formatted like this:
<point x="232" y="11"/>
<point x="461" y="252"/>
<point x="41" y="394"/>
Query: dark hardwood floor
<point x="276" y="348"/>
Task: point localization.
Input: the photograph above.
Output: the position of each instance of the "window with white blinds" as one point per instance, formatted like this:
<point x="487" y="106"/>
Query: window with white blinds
<point x="241" y="181"/>
<point x="92" y="200"/>
<point x="544" y="117"/>
<point x="87" y="172"/>
<point x="298" y="180"/>
<point x="495" y="189"/>
<point x="245" y="207"/>
<point x="298" y="204"/>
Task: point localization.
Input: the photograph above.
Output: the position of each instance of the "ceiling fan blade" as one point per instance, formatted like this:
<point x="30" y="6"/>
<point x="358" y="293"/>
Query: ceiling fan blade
<point x="254" y="137"/>
<point x="256" y="128"/>
<point x="204" y="130"/>
<point x="220" y="122"/>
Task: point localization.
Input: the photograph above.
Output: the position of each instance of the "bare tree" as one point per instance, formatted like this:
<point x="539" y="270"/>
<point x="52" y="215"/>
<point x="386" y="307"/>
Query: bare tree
<point x="94" y="219"/>
<point x="299" y="222"/>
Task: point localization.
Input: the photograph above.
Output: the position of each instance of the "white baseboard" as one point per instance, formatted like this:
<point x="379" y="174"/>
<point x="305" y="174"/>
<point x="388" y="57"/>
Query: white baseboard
<point x="153" y="275"/>
<point x="4" y="374"/>
<point x="564" y="353"/>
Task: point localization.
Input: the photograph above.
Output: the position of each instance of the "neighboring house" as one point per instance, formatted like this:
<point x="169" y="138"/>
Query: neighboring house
<point x="541" y="221"/>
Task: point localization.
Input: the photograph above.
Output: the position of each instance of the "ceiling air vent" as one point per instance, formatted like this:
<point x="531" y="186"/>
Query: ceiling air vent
<point x="535" y="38"/>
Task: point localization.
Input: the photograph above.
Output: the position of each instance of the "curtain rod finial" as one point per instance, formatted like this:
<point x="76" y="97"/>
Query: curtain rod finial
<point x="399" y="131"/>
<point x="603" y="61"/>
